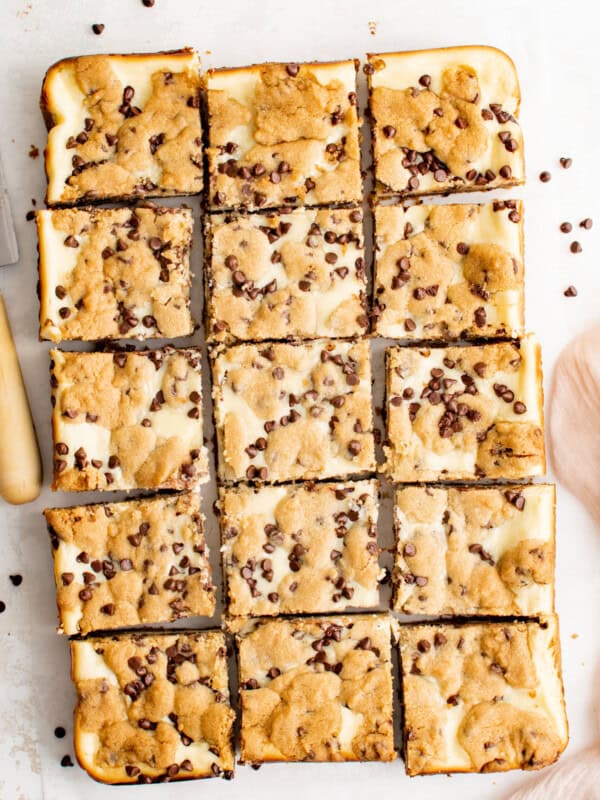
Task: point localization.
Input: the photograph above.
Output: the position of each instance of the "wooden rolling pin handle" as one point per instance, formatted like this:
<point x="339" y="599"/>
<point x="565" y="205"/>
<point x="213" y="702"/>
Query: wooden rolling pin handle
<point x="20" y="463"/>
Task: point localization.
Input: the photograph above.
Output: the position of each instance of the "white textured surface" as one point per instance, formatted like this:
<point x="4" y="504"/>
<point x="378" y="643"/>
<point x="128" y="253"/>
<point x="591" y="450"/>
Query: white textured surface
<point x="555" y="49"/>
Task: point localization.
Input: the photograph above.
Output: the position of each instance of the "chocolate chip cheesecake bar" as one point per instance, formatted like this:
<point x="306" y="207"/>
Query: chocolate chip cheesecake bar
<point x="476" y="551"/>
<point x="283" y="134"/>
<point x="287" y="274"/>
<point x="301" y="549"/>
<point x="127" y="420"/>
<point x="317" y="689"/>
<point x="464" y="413"/>
<point x="153" y="707"/>
<point x="131" y="563"/>
<point x="482" y="697"/>
<point x="449" y="271"/>
<point x="114" y="273"/>
<point x="288" y="412"/>
<point x="445" y="120"/>
<point x="123" y="126"/>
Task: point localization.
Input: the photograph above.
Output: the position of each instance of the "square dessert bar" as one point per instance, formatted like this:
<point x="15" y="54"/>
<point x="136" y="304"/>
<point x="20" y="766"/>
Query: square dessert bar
<point x="449" y="272"/>
<point x="153" y="707"/>
<point x="445" y="120"/>
<point x="283" y="134"/>
<point x="482" y="697"/>
<point x="131" y="563"/>
<point x="286" y="274"/>
<point x="464" y="413"/>
<point x="317" y="689"/>
<point x="127" y="420"/>
<point x="288" y="412"/>
<point x="476" y="551"/>
<point x="301" y="549"/>
<point x="123" y="126"/>
<point x="114" y="273"/>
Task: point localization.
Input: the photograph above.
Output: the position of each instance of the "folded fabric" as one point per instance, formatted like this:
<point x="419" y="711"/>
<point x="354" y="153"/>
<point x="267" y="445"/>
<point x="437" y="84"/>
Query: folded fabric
<point x="574" y="419"/>
<point x="577" y="778"/>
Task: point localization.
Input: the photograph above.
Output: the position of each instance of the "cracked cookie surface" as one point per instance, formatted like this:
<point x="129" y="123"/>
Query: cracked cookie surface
<point x="131" y="563"/>
<point x="445" y="120"/>
<point x="464" y="413"/>
<point x="309" y="548"/>
<point x="474" y="551"/>
<point x="449" y="271"/>
<point x="153" y="706"/>
<point x="114" y="273"/>
<point x="283" y="134"/>
<point x="482" y="697"/>
<point x="127" y="420"/>
<point x="122" y="127"/>
<point x="289" y="274"/>
<point x="293" y="411"/>
<point x="317" y="689"/>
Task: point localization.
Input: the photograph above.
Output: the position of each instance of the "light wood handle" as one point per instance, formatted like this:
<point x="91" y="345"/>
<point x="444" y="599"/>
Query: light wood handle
<point x="20" y="464"/>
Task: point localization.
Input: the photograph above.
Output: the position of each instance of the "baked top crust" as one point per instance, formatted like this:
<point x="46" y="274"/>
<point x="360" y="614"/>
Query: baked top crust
<point x="127" y="420"/>
<point x="317" y="689"/>
<point x="474" y="551"/>
<point x="308" y="548"/>
<point x="123" y="126"/>
<point x="465" y="413"/>
<point x="449" y="271"/>
<point x="293" y="411"/>
<point x="482" y="697"/>
<point x="283" y="134"/>
<point x="114" y="273"/>
<point x="153" y="706"/>
<point x="445" y="120"/>
<point x="138" y="562"/>
<point x="291" y="274"/>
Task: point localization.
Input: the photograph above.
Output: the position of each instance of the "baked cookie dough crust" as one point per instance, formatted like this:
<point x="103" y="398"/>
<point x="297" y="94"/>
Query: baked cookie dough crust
<point x="283" y="134"/>
<point x="288" y="412"/>
<point x="474" y="551"/>
<point x="122" y="127"/>
<point x="482" y="697"/>
<point x="449" y="271"/>
<point x="153" y="707"/>
<point x="127" y="420"/>
<point x="114" y="273"/>
<point x="464" y="413"/>
<point x="131" y="563"/>
<point x="445" y="120"/>
<point x="317" y="689"/>
<point x="308" y="548"/>
<point x="287" y="274"/>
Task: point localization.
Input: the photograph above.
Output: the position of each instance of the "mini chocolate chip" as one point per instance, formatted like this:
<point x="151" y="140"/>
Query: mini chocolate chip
<point x="16" y="580"/>
<point x="462" y="248"/>
<point x="389" y="131"/>
<point x="545" y="176"/>
<point x="575" y="247"/>
<point x="97" y="27"/>
<point x="566" y="162"/>
<point x="570" y="291"/>
<point x="66" y="761"/>
<point x="292" y="69"/>
<point x="519" y="408"/>
<point x="586" y="223"/>
<point x="566" y="227"/>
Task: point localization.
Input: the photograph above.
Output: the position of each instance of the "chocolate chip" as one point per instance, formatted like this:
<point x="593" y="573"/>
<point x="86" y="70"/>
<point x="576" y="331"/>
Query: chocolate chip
<point x="354" y="447"/>
<point x="570" y="291"/>
<point x="461" y="123"/>
<point x="409" y="550"/>
<point x="292" y="69"/>
<point x="514" y="216"/>
<point x="545" y="176"/>
<point x="423" y="646"/>
<point x="480" y="317"/>
<point x="586" y="223"/>
<point x="71" y="241"/>
<point x="66" y="761"/>
<point x="16" y="580"/>
<point x="505" y="172"/>
<point x="148" y="3"/>
<point x="439" y="639"/>
<point x="425" y="80"/>
<point x="566" y="227"/>
<point x="97" y="27"/>
<point x="519" y="408"/>
<point x="575" y="247"/>
<point x="462" y="248"/>
<point x="389" y="131"/>
<point x="60" y="732"/>
<point x="566" y="162"/>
